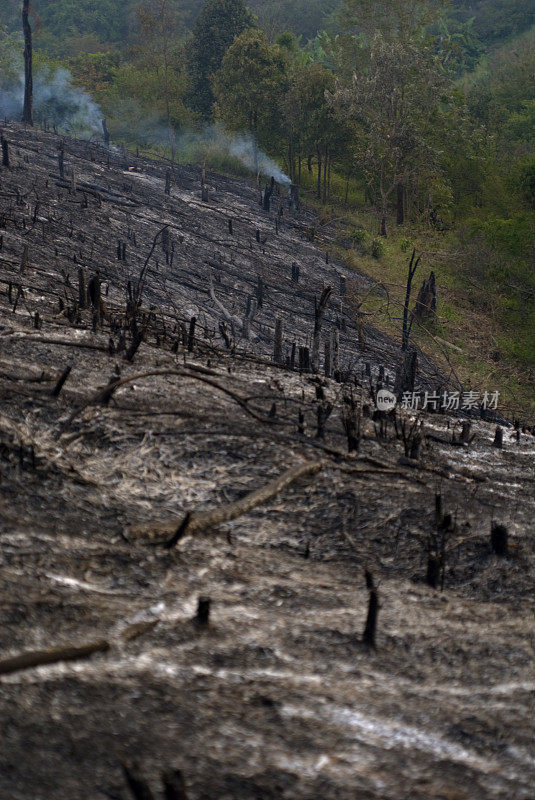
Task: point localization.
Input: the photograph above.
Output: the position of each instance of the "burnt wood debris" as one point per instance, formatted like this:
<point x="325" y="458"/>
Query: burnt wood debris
<point x="287" y="277"/>
<point x="195" y="474"/>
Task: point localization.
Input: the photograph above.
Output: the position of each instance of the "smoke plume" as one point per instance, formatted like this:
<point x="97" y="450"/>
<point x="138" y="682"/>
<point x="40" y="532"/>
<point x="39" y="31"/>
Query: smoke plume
<point x="55" y="99"/>
<point x="212" y="141"/>
<point x="73" y="110"/>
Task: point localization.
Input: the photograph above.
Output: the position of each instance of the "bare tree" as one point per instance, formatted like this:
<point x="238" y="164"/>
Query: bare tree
<point x="27" y="114"/>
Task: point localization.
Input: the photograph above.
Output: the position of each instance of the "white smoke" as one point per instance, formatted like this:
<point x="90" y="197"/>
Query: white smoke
<point x="71" y="109"/>
<point x="201" y="144"/>
<point x="65" y="105"/>
<point x="242" y="147"/>
<point x="55" y="99"/>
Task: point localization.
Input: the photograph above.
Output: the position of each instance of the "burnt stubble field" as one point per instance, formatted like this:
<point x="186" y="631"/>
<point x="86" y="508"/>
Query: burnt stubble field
<point x="276" y="695"/>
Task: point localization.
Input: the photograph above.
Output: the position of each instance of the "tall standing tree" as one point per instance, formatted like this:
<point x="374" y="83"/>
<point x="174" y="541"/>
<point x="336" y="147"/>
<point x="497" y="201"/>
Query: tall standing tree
<point x="215" y="29"/>
<point x="27" y="113"/>
<point x="393" y="95"/>
<point x="394" y="101"/>
<point x="160" y="27"/>
<point x="313" y="126"/>
<point x="249" y="88"/>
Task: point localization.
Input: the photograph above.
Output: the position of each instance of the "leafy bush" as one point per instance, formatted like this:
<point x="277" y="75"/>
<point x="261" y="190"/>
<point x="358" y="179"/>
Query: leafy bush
<point x="378" y="249"/>
<point x="359" y="236"/>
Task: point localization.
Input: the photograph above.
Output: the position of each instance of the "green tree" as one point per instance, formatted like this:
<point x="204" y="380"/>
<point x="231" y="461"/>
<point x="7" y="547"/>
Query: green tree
<point x="160" y="49"/>
<point x="215" y="29"/>
<point x="314" y="128"/>
<point x="394" y="100"/>
<point x="249" y="88"/>
<point x="395" y="19"/>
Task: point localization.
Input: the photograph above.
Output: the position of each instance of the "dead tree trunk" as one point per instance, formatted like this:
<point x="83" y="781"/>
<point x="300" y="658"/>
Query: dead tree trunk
<point x="267" y="195"/>
<point x="174" y="785"/>
<point x="426" y="302"/>
<point x="5" y="153"/>
<point x="277" y="356"/>
<point x="406" y="374"/>
<point x="319" y="309"/>
<point x="61" y="157"/>
<point x="27" y="113"/>
<point x="106" y="133"/>
<point x="319" y="173"/>
<point x="413" y="266"/>
<point x="328" y="354"/>
<point x="368" y="636"/>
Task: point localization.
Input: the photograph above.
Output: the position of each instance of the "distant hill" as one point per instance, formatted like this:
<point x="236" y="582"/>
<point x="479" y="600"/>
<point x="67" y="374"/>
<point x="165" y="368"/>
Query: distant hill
<point x="111" y="21"/>
<point x="496" y="20"/>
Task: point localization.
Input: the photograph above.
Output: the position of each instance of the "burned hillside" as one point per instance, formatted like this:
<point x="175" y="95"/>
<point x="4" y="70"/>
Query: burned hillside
<point x="202" y="522"/>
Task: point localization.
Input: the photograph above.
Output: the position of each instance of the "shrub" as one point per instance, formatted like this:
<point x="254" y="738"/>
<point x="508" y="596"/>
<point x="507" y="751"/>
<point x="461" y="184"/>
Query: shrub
<point x="359" y="236"/>
<point x="378" y="249"/>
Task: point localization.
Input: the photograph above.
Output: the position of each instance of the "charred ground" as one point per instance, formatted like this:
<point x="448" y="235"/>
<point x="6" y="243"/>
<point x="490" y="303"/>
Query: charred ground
<point x="277" y="697"/>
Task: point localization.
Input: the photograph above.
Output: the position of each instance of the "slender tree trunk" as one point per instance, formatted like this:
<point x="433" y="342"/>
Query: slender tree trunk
<point x="320" y="164"/>
<point x="291" y="160"/>
<point x="400" y="200"/>
<point x="27" y="114"/>
<point x="255" y="145"/>
<point x="325" y="174"/>
<point x="383" y="214"/>
<point x="383" y="224"/>
<point x="413" y="266"/>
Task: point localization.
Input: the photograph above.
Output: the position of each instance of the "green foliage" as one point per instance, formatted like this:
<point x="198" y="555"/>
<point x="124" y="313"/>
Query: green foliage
<point x="360" y="236"/>
<point x="513" y="236"/>
<point x="250" y="84"/>
<point x="302" y="17"/>
<point x="214" y="31"/>
<point x="523" y="179"/>
<point x="106" y="19"/>
<point x="394" y="100"/>
<point x="10" y="58"/>
<point x="495" y="20"/>
<point x="378" y="249"/>
<point x="394" y="19"/>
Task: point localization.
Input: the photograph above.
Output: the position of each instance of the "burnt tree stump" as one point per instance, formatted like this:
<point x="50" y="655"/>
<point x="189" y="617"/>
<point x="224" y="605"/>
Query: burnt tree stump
<point x="499" y="539"/>
<point x="82" y="289"/>
<point x="139" y="788"/>
<point x="319" y="310"/>
<point x="174" y="785"/>
<point x="203" y="611"/>
<point x="191" y="334"/>
<point x="406" y="373"/>
<point x="370" y="629"/>
<point x="5" y="153"/>
<point x="426" y="302"/>
<point x="277" y="355"/>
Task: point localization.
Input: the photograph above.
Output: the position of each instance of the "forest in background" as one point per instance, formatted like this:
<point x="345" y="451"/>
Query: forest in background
<point x="412" y="123"/>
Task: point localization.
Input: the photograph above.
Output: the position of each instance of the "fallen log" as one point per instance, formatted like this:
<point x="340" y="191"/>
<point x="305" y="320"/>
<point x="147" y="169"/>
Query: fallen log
<point x="60" y="341"/>
<point x="52" y="656"/>
<point x="195" y="521"/>
<point x="203" y="520"/>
